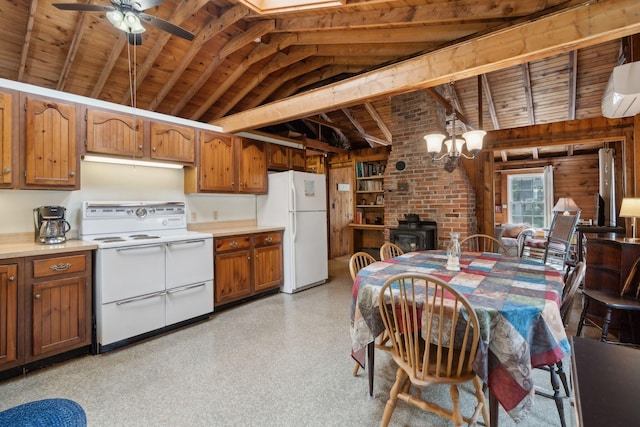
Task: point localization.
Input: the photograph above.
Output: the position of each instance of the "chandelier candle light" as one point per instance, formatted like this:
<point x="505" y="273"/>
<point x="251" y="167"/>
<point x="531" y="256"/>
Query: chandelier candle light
<point x="454" y="145"/>
<point x="631" y="209"/>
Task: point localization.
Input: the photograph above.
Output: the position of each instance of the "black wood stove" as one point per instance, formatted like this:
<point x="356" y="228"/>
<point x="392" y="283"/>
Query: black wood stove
<point x="415" y="235"/>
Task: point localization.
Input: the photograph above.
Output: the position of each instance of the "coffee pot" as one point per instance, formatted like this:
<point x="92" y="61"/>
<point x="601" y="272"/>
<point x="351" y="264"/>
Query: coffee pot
<point x="50" y="226"/>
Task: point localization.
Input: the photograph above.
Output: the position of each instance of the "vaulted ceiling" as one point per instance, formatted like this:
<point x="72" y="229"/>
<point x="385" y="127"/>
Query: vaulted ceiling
<point x="327" y="74"/>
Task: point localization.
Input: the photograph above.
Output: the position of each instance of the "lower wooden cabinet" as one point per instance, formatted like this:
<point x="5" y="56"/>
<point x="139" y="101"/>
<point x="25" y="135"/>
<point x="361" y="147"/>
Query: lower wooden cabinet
<point x="246" y="265"/>
<point x="45" y="307"/>
<point x="9" y="303"/>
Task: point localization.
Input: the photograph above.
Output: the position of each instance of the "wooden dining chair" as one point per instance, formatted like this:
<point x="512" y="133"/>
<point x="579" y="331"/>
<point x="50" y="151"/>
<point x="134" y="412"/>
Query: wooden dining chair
<point x="390" y="250"/>
<point x="357" y="262"/>
<point x="453" y="329"/>
<point x="483" y="243"/>
<point x="556" y="371"/>
<point x="627" y="301"/>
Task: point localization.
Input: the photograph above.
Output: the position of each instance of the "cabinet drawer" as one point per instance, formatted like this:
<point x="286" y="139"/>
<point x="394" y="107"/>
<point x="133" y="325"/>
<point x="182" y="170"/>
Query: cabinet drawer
<point x="59" y="265"/>
<point x="266" y="239"/>
<point x="232" y="243"/>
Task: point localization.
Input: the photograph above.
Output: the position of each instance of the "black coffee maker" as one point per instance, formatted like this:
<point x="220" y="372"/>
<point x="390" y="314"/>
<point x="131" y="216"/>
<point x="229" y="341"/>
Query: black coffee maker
<point x="50" y="226"/>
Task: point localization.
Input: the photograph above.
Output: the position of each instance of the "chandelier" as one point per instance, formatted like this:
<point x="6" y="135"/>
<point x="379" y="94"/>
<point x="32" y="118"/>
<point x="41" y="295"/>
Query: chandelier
<point x="473" y="140"/>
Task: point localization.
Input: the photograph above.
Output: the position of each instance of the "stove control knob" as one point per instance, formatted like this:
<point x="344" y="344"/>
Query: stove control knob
<point x="165" y="222"/>
<point x="129" y="211"/>
<point x="141" y="212"/>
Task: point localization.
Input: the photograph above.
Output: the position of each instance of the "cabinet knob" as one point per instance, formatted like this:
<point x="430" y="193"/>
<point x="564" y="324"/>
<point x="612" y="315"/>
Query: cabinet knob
<point x="269" y="239"/>
<point x="233" y="244"/>
<point x="72" y="173"/>
<point x="12" y="278"/>
<point x="154" y="149"/>
<point x="7" y="170"/>
<point x="139" y="147"/>
<point x="36" y="296"/>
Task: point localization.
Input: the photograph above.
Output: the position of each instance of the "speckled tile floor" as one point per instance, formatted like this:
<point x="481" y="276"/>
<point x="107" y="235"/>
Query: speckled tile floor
<point x="279" y="361"/>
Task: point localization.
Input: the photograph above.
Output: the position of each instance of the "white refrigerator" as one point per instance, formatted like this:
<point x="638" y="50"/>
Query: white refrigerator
<point x="297" y="201"/>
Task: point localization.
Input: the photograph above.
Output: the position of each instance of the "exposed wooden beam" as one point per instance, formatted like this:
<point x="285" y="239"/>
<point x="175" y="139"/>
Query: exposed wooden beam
<point x="71" y="54"/>
<point x="376" y="117"/>
<point x="450" y="109"/>
<point x="369" y="138"/>
<point x="279" y="61"/>
<point x="214" y="27"/>
<point x="27" y="40"/>
<point x="118" y="45"/>
<point x="486" y="88"/>
<point x="573" y="84"/>
<point x="528" y="93"/>
<point x="185" y="9"/>
<point x="347" y="112"/>
<point x="568" y="29"/>
<point x="436" y="13"/>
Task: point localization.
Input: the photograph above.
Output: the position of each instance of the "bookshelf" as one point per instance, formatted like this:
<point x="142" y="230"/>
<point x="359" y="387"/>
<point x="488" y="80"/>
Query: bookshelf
<point x="368" y="222"/>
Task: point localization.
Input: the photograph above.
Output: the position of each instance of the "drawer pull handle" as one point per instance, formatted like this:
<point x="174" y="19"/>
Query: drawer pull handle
<point x="234" y="244"/>
<point x="269" y="239"/>
<point x="61" y="267"/>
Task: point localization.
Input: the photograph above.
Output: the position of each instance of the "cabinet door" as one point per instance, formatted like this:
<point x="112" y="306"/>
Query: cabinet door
<point x="278" y="157"/>
<point x="111" y="133"/>
<point x="232" y="276"/>
<point x="8" y="314"/>
<point x="217" y="171"/>
<point x="50" y="144"/>
<point x="267" y="264"/>
<point x="172" y="142"/>
<point x="298" y="159"/>
<point x="252" y="167"/>
<point x="7" y="155"/>
<point x="59" y="316"/>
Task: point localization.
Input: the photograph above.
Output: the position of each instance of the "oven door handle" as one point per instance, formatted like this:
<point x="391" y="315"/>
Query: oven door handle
<point x="140" y="298"/>
<point x="186" y="288"/>
<point x="140" y="247"/>
<point x="186" y="242"/>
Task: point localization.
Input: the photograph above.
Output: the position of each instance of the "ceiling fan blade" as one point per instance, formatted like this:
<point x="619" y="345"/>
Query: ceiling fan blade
<point x="166" y="26"/>
<point x="134" y="39"/>
<point x="145" y="4"/>
<point x="83" y="7"/>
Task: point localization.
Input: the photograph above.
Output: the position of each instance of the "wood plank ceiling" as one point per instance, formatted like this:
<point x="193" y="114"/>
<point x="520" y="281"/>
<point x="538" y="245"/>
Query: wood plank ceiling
<point x="240" y="60"/>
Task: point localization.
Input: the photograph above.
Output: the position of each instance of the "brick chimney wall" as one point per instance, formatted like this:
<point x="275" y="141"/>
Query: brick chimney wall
<point x="432" y="193"/>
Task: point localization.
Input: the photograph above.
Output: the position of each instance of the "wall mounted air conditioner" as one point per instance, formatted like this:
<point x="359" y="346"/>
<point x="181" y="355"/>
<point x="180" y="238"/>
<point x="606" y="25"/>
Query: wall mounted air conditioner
<point x="621" y="97"/>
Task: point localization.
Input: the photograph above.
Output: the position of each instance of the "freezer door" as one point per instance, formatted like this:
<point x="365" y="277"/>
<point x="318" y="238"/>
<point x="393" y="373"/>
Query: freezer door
<point x="307" y="252"/>
<point x="308" y="192"/>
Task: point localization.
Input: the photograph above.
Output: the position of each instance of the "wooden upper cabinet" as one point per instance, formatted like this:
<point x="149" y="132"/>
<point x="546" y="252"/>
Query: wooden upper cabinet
<point x="278" y="157"/>
<point x="298" y="159"/>
<point x="252" y="166"/>
<point x="50" y="145"/>
<point x="281" y="158"/>
<point x="216" y="171"/>
<point x="115" y="134"/>
<point x="172" y="142"/>
<point x="8" y="155"/>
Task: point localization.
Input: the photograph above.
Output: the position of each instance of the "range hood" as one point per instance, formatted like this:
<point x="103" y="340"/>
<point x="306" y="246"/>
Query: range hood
<point x="621" y="97"/>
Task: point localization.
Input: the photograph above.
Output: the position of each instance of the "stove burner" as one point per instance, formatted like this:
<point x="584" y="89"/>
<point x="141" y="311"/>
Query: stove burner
<point x="143" y="236"/>
<point x="109" y="239"/>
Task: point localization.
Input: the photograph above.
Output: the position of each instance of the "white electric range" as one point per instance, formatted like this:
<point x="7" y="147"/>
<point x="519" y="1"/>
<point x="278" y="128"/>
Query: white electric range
<point x="151" y="273"/>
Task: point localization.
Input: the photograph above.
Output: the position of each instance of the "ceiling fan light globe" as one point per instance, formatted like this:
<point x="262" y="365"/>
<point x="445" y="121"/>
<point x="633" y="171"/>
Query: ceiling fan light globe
<point x="115" y="17"/>
<point x="134" y="26"/>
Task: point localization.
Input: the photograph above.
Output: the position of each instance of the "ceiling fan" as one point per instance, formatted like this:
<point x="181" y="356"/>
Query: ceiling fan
<point x="127" y="16"/>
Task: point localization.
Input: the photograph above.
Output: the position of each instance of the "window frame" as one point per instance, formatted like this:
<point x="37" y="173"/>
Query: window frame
<point x="510" y="202"/>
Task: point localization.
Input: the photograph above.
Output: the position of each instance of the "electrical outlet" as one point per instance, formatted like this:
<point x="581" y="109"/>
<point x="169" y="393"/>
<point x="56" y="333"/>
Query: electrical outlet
<point x="194" y="216"/>
<point x="215" y="214"/>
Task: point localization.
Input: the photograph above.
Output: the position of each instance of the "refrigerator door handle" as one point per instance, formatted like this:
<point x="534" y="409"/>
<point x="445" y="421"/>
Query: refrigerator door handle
<point x="293" y="197"/>
<point x="294" y="225"/>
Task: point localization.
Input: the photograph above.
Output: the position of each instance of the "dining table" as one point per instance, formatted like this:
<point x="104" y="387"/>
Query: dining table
<point x="517" y="301"/>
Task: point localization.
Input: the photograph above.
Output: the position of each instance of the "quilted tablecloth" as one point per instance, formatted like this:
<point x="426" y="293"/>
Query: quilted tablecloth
<point x="517" y="301"/>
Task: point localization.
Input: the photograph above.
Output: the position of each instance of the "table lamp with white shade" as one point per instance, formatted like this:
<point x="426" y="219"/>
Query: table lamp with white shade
<point x="631" y="209"/>
<point x="566" y="205"/>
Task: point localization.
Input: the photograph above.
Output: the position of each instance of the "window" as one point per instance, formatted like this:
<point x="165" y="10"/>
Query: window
<point x="526" y="199"/>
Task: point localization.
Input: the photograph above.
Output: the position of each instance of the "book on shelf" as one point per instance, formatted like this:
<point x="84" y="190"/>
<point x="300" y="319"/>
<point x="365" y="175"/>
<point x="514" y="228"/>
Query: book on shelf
<point x="358" y="217"/>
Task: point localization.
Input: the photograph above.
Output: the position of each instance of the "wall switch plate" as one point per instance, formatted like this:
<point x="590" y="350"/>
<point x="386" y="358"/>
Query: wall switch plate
<point x="403" y="186"/>
<point x="215" y="214"/>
